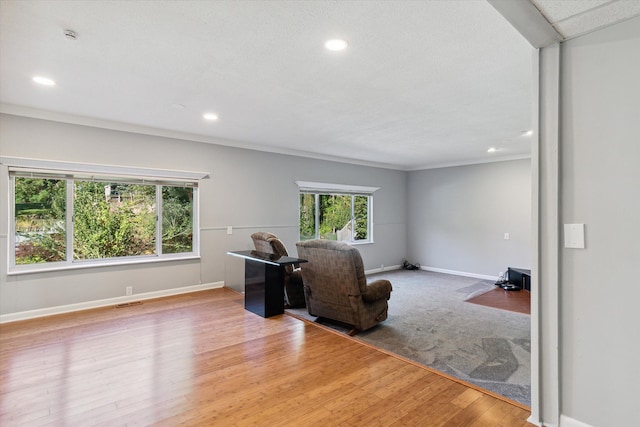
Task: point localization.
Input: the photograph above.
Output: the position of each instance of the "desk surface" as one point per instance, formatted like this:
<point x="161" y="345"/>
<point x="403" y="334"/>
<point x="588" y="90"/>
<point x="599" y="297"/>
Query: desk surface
<point x="267" y="258"/>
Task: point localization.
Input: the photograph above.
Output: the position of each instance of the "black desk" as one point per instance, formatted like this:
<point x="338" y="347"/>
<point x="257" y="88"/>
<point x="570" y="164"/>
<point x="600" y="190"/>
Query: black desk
<point x="264" y="281"/>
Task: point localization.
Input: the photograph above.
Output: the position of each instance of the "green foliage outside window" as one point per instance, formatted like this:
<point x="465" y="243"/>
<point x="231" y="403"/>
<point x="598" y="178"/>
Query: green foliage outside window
<point x="177" y="217"/>
<point x="335" y="213"/>
<point x="307" y="216"/>
<point x="113" y="223"/>
<point x="110" y="220"/>
<point x="361" y="216"/>
<point x="40" y="220"/>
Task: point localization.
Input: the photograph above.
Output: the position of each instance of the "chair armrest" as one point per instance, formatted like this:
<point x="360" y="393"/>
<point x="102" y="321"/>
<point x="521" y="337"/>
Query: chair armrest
<point x="377" y="290"/>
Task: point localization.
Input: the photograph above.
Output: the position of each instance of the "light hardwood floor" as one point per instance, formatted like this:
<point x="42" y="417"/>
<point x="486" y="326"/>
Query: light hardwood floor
<point x="201" y="359"/>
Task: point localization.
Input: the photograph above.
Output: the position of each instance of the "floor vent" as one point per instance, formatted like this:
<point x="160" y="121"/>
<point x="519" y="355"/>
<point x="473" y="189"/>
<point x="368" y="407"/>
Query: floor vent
<point x="128" y="304"/>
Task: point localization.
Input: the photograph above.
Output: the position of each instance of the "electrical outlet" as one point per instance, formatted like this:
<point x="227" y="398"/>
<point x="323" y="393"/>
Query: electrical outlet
<point x="128" y="290"/>
<point x="506" y="236"/>
<point x="381" y="266"/>
<point x="229" y="229"/>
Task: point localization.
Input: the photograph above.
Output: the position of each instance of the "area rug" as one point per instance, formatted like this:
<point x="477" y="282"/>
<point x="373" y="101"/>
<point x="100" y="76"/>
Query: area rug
<point x="430" y="323"/>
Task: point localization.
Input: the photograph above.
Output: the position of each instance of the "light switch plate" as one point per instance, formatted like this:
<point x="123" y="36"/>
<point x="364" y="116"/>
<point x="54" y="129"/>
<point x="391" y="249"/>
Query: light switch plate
<point x="574" y="236"/>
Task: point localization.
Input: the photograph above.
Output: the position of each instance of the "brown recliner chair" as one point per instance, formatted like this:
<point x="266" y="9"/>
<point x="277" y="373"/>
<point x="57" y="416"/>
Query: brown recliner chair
<point x="336" y="288"/>
<point x="293" y="290"/>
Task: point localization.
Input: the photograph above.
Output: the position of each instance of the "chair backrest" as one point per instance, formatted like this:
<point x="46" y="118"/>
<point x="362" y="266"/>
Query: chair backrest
<point x="333" y="272"/>
<point x="270" y="244"/>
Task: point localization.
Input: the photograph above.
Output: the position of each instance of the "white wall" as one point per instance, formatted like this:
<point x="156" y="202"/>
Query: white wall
<point x="600" y="187"/>
<point x="248" y="190"/>
<point x="458" y="217"/>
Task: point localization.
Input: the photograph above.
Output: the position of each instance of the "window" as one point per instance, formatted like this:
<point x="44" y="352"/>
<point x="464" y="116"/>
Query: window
<point x="39" y="227"/>
<point x="112" y="219"/>
<point x="327" y="211"/>
<point x="177" y="217"/>
<point x="66" y="219"/>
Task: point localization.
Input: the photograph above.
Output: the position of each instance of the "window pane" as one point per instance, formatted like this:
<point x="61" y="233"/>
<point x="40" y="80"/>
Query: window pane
<point x="361" y="215"/>
<point x="113" y="220"/>
<point x="40" y="220"/>
<point x="177" y="220"/>
<point x="335" y="217"/>
<point x="307" y="216"/>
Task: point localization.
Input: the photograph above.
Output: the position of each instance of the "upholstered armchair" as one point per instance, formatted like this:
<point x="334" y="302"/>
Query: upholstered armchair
<point x="336" y="288"/>
<point x="293" y="291"/>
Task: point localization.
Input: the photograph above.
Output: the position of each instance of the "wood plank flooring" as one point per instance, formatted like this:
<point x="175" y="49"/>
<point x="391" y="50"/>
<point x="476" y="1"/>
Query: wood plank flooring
<point x="200" y="359"/>
<point x="517" y="301"/>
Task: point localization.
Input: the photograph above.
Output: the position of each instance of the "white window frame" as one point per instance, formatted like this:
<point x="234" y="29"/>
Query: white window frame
<point x="317" y="188"/>
<point x="72" y="172"/>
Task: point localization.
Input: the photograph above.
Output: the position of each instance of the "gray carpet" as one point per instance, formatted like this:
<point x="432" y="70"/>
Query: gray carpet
<point x="430" y="323"/>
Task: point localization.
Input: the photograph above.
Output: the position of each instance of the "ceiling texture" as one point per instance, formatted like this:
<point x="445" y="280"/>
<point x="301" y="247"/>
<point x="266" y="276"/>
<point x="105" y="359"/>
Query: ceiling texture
<point x="422" y="83"/>
<point x="573" y="18"/>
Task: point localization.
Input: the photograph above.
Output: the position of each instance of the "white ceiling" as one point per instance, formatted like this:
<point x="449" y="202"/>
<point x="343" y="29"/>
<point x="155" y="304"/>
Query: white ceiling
<point x="422" y="84"/>
<point x="572" y="18"/>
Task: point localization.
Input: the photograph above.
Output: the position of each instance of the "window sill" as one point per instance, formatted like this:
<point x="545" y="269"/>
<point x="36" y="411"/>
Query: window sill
<point x="79" y="265"/>
<point x="367" y="242"/>
<point x="354" y="243"/>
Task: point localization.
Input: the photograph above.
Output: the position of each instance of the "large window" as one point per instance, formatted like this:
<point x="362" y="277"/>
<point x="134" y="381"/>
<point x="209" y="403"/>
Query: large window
<point x="112" y="219"/>
<point x="330" y="212"/>
<point x="66" y="219"/>
<point x="40" y="220"/>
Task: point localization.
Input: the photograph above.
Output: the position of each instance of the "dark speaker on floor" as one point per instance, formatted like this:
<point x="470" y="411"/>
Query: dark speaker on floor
<point x="519" y="277"/>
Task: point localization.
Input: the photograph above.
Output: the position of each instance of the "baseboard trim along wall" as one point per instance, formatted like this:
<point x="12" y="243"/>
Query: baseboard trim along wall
<point x="380" y="270"/>
<point x="32" y="314"/>
<point x="459" y="273"/>
<point x="530" y="420"/>
<point x="570" y="422"/>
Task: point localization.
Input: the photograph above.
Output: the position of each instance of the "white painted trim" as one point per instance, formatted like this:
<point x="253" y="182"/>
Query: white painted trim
<point x="459" y="273"/>
<point x="339" y="188"/>
<point x="566" y="421"/>
<point x="32" y="314"/>
<point x="531" y="420"/>
<point x="548" y="307"/>
<point x="245" y="227"/>
<point x="528" y="21"/>
<point x="107" y="170"/>
<point x="492" y="159"/>
<point x="535" y="417"/>
<point x="380" y="270"/>
<point x="17" y="270"/>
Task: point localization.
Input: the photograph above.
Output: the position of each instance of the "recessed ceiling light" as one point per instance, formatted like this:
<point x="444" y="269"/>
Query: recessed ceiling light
<point x="336" y="44"/>
<point x="44" y="81"/>
<point x="526" y="133"/>
<point x="210" y="116"/>
<point x="492" y="150"/>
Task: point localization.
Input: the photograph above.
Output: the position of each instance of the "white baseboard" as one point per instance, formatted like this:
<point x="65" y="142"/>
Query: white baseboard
<point x="530" y="420"/>
<point x="570" y="422"/>
<point x="563" y="422"/>
<point x="459" y="273"/>
<point x="49" y="311"/>
<point x="380" y="270"/>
